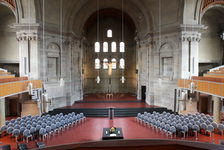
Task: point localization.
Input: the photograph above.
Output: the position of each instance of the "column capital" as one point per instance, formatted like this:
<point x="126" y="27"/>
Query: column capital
<point x="146" y="40"/>
<point x="190" y="36"/>
<point x="26" y="35"/>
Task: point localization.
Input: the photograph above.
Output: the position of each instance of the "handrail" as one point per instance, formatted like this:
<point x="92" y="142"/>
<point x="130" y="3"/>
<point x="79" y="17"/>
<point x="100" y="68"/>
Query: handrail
<point x="12" y="88"/>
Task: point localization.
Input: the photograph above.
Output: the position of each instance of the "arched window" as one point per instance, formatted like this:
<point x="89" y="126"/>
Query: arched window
<point x="109" y="33"/>
<point x="97" y="63"/>
<point x="122" y="47"/>
<point x="122" y="63"/>
<point x="97" y="47"/>
<point x="113" y="47"/>
<point x="105" y="63"/>
<point x="114" y="63"/>
<point x="105" y="47"/>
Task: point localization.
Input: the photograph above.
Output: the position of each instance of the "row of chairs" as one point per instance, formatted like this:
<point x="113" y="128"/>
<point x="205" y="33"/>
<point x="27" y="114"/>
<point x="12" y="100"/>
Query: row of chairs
<point x="30" y="127"/>
<point x="173" y="124"/>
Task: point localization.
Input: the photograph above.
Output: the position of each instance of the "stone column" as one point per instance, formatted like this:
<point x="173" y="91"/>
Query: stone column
<point x="2" y="111"/>
<point x="190" y="48"/>
<point x="144" y="67"/>
<point x="184" y="57"/>
<point x="28" y="50"/>
<point x="216" y="109"/>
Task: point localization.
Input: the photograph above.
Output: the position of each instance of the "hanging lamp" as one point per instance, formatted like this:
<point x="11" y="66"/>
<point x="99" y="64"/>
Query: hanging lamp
<point x="98" y="70"/>
<point x="122" y="28"/>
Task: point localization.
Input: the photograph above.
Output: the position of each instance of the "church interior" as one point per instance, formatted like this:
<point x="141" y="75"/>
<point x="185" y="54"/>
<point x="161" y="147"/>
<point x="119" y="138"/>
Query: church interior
<point x="105" y="74"/>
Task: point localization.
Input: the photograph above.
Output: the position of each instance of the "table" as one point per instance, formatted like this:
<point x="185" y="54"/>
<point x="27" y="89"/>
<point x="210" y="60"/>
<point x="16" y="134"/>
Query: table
<point x="107" y="136"/>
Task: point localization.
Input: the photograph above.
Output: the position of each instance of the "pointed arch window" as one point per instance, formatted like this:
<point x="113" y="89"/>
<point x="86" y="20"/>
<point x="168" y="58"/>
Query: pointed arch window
<point x="122" y="63"/>
<point x="122" y="47"/>
<point x="97" y="63"/>
<point x="109" y="33"/>
<point x="114" y="63"/>
<point x="105" y="63"/>
<point x="113" y="47"/>
<point x="97" y="47"/>
<point x="105" y="47"/>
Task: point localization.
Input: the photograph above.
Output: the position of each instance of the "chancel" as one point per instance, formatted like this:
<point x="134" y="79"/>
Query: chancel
<point x="143" y="74"/>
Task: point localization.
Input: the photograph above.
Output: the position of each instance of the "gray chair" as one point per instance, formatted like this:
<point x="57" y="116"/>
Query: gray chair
<point x="9" y="130"/>
<point x="196" y="129"/>
<point x="172" y="131"/>
<point x="28" y="127"/>
<point x="48" y="130"/>
<point x="16" y="127"/>
<point x="16" y="133"/>
<point x="21" y="130"/>
<point x="53" y="128"/>
<point x="184" y="130"/>
<point x="43" y="133"/>
<point x="32" y="130"/>
<point x="27" y="135"/>
<point x="38" y="127"/>
<point x="221" y="128"/>
<point x="4" y="129"/>
<point x="204" y="127"/>
<point x="210" y="129"/>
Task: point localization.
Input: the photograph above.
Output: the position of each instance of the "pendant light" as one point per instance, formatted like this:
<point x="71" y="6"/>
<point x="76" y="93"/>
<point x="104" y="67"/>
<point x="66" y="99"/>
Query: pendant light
<point x="122" y="28"/>
<point x="43" y="42"/>
<point x="98" y="70"/>
<point x="61" y="81"/>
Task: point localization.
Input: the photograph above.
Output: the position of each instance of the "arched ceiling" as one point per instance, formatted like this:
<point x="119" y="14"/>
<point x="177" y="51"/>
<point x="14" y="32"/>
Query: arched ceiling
<point x="80" y="11"/>
<point x="143" y="13"/>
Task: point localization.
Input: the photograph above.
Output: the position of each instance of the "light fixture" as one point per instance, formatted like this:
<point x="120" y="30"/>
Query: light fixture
<point x="62" y="82"/>
<point x="122" y="43"/>
<point x="98" y="70"/>
<point x="98" y="79"/>
<point x="222" y="35"/>
<point x="122" y="79"/>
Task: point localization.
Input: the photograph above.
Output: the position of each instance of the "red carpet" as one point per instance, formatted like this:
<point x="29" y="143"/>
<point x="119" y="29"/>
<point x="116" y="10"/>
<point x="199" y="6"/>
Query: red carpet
<point x="91" y="130"/>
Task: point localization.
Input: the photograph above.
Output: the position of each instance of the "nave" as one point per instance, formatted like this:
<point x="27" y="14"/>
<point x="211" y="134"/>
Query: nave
<point x="91" y="130"/>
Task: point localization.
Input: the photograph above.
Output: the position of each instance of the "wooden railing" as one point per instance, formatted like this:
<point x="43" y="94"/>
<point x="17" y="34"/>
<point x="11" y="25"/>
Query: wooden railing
<point x="7" y="76"/>
<point x="18" y="87"/>
<point x="5" y="80"/>
<point x="212" y="88"/>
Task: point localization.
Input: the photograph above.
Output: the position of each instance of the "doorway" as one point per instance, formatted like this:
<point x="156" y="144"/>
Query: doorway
<point x="143" y="89"/>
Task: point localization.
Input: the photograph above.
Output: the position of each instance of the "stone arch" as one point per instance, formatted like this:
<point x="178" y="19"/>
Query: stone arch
<point x="12" y="6"/>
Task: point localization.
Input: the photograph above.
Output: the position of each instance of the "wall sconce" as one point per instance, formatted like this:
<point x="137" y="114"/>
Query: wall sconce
<point x="222" y="35"/>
